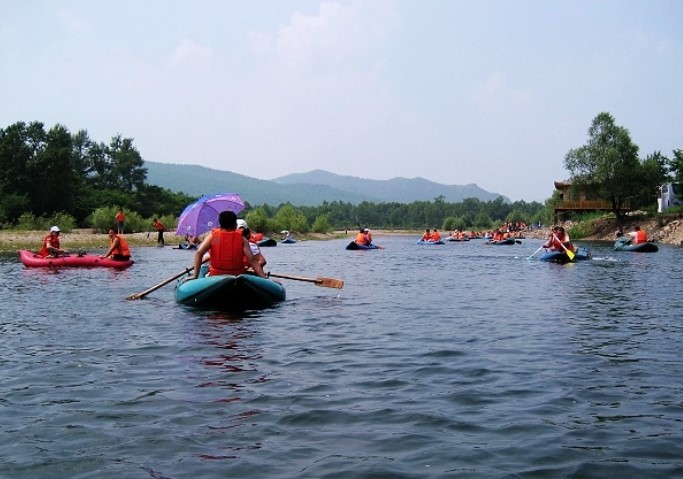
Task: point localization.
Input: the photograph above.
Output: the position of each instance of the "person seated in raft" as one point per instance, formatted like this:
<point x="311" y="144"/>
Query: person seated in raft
<point x="287" y="236"/>
<point x="227" y="250"/>
<point x="255" y="250"/>
<point x="638" y="235"/>
<point x="191" y="242"/>
<point x="435" y="236"/>
<point x="427" y="236"/>
<point x="255" y="237"/>
<point x="368" y="236"/>
<point x="118" y="247"/>
<point x="558" y="238"/>
<point x="51" y="244"/>
<point x="361" y="237"/>
<point x="497" y="236"/>
<point x="619" y="232"/>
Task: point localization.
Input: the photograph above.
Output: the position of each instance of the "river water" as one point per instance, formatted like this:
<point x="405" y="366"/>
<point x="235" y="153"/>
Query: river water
<point x="456" y="361"/>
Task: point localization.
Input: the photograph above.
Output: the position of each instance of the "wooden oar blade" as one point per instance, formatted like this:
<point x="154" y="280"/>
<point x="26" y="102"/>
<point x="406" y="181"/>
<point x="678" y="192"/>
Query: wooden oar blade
<point x="330" y="283"/>
<point x="322" y="282"/>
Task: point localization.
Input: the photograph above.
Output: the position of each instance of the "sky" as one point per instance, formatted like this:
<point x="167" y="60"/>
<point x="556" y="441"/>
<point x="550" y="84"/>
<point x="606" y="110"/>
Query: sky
<point x="492" y="92"/>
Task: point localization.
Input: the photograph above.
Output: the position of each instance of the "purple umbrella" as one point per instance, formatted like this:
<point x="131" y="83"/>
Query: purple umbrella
<point x="202" y="215"/>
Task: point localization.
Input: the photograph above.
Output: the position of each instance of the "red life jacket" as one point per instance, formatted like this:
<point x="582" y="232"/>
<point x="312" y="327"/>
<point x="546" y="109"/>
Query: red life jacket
<point x="54" y="242"/>
<point x="226" y="252"/>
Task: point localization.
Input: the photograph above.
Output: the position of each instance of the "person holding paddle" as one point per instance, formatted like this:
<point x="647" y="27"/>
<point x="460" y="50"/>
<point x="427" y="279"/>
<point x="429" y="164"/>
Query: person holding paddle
<point x="51" y="244"/>
<point x="227" y="249"/>
<point x="559" y="240"/>
<point x="118" y="247"/>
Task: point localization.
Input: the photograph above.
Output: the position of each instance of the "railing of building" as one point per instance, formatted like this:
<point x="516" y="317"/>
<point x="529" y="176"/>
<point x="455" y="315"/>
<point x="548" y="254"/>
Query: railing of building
<point x="578" y="205"/>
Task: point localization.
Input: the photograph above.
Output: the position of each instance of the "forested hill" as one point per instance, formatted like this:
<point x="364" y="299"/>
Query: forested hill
<point x="402" y="190"/>
<point x="306" y="189"/>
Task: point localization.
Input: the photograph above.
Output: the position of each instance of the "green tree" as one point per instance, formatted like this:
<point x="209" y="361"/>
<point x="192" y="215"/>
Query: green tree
<point x="55" y="180"/>
<point x="288" y="218"/>
<point x="607" y="165"/>
<point x="654" y="172"/>
<point x="321" y="225"/>
<point x="257" y="219"/>
<point x="676" y="166"/>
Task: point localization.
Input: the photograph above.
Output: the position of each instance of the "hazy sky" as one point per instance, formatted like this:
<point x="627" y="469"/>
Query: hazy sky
<point x="479" y="91"/>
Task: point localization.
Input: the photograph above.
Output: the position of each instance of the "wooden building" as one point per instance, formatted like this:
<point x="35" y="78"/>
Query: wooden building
<point x="574" y="200"/>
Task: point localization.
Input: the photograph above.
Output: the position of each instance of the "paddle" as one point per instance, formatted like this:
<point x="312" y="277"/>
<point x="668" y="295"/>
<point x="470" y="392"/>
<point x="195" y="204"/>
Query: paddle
<point x="539" y="249"/>
<point x="570" y="253"/>
<point x="144" y="293"/>
<point x="322" y="282"/>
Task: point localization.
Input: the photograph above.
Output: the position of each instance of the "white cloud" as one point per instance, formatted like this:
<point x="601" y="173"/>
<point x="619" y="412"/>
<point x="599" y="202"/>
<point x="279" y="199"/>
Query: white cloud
<point x="191" y="54"/>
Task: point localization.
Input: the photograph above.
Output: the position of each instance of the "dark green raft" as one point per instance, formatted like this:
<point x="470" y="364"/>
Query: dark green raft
<point x="625" y="244"/>
<point x="228" y="292"/>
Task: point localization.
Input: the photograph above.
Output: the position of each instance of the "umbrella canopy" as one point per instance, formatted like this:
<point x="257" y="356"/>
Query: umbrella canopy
<point x="202" y="215"/>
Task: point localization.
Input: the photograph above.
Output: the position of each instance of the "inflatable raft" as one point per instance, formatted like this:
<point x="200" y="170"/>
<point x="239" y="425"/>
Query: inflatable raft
<point x="229" y="292"/>
<point x="34" y="260"/>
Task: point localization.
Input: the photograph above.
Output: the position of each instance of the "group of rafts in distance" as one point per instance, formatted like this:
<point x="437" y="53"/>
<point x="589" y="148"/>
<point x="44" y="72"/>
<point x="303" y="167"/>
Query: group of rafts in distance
<point x="248" y="289"/>
<point x="558" y="247"/>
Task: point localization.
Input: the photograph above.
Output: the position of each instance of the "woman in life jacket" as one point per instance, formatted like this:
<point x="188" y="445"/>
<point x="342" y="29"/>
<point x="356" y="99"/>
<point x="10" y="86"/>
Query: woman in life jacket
<point x="118" y="247"/>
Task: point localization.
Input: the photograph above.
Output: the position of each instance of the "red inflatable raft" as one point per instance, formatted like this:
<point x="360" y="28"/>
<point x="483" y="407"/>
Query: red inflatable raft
<point x="34" y="260"/>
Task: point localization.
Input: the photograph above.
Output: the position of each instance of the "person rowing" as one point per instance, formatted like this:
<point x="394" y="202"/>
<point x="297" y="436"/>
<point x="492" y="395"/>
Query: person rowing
<point x="227" y="248"/>
<point x="559" y="238"/>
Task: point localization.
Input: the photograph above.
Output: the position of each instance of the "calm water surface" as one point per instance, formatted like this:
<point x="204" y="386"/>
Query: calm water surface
<point x="455" y="361"/>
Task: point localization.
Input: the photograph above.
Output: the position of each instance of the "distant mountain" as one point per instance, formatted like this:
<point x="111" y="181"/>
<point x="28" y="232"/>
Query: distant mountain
<point x="306" y="189"/>
<point x="400" y="190"/>
<point x="198" y="180"/>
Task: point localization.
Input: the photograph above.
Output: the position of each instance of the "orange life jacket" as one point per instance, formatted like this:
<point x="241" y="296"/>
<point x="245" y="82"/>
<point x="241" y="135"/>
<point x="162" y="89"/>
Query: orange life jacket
<point x="436" y="236"/>
<point x="226" y="252"/>
<point x="641" y="237"/>
<point x="122" y="249"/>
<point x="159" y="226"/>
<point x="360" y="237"/>
<point x="558" y="243"/>
<point x="54" y="242"/>
<point x="120" y="217"/>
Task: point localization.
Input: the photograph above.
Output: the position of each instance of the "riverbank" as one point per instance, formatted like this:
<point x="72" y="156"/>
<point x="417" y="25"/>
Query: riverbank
<point x="14" y="240"/>
<point x="85" y="239"/>
<point x="666" y="229"/>
<point x="663" y="229"/>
